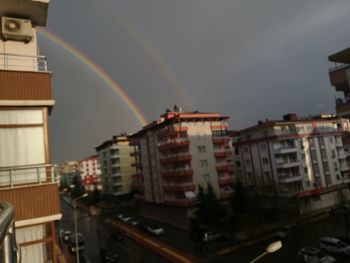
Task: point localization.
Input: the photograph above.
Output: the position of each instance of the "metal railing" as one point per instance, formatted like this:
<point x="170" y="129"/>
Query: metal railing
<point x="29" y="174"/>
<point x="9" y="251"/>
<point x="23" y="62"/>
<point x="342" y="66"/>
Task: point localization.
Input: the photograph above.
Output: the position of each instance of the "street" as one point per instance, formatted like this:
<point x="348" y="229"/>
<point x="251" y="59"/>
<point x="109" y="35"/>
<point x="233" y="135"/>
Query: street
<point x="97" y="235"/>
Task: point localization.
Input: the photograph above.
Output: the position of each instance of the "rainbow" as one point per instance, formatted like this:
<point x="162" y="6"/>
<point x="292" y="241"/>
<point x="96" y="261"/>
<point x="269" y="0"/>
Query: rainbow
<point x="99" y="71"/>
<point x="149" y="51"/>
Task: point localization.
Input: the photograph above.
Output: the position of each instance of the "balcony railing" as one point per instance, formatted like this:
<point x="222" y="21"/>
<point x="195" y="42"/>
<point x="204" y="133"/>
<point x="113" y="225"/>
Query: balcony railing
<point x="9" y="251"/>
<point x="29" y="174"/>
<point x="176" y="158"/>
<point x="23" y="62"/>
<point x="179" y="187"/>
<point x="179" y="172"/>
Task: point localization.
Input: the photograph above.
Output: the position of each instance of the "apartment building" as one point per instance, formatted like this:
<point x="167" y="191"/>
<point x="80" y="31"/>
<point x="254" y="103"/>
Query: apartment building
<point x="176" y="154"/>
<point x="294" y="157"/>
<point x="27" y="179"/>
<point x="90" y="172"/>
<point x="115" y="161"/>
<point x="339" y="76"/>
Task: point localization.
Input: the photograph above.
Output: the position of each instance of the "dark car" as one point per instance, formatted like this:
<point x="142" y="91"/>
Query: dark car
<point x="72" y="245"/>
<point x="64" y="235"/>
<point x="117" y="236"/>
<point x="108" y="255"/>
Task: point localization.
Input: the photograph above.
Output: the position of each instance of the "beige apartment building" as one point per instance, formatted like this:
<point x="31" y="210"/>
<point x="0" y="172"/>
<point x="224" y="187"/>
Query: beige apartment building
<point x="294" y="157"/>
<point x="26" y="174"/>
<point x="176" y="154"/>
<point x="115" y="161"/>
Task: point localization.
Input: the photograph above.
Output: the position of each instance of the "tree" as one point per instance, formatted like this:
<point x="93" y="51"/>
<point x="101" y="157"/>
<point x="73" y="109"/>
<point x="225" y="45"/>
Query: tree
<point x="238" y="201"/>
<point x="78" y="188"/>
<point x="210" y="210"/>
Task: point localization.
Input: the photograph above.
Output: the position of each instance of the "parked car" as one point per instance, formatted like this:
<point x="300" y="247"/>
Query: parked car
<point x="155" y="230"/>
<point x="210" y="236"/>
<point x="314" y="255"/>
<point x="64" y="235"/>
<point x="117" y="236"/>
<point x="108" y="255"/>
<point x="284" y="232"/>
<point x="72" y="243"/>
<point x="133" y="222"/>
<point x="334" y="246"/>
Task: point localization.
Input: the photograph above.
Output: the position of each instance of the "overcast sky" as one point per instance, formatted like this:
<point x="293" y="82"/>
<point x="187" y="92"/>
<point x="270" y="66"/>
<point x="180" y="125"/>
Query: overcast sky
<point x="247" y="59"/>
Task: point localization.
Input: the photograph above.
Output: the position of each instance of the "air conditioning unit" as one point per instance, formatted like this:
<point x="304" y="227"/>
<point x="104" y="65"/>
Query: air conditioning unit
<point x="16" y="29"/>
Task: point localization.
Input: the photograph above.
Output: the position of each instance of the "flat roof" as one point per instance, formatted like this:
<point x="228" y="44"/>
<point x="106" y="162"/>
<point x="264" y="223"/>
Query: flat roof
<point x="342" y="56"/>
<point x="34" y="10"/>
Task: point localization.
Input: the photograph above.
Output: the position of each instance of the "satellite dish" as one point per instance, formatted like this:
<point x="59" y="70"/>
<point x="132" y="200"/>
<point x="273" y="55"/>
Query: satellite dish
<point x="12" y="25"/>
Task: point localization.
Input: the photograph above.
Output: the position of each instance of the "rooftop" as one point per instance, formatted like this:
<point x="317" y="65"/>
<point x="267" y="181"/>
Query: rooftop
<point x="34" y="10"/>
<point x="342" y="56"/>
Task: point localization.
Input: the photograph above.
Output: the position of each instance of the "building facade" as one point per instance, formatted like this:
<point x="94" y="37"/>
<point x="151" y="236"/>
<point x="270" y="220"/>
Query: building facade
<point x="174" y="156"/>
<point x="115" y="161"/>
<point x="27" y="179"/>
<point x="90" y="172"/>
<point x="293" y="157"/>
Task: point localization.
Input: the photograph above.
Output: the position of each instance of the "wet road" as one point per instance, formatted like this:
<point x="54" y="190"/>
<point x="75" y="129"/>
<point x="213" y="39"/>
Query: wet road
<point x="96" y="234"/>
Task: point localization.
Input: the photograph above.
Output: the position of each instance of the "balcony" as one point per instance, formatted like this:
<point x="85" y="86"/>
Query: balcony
<point x="339" y="77"/>
<point x="342" y="107"/>
<point x="287" y="149"/>
<point x="176" y="158"/>
<point x="136" y="165"/>
<point x="287" y="164"/>
<point x="172" y="132"/>
<point x="221" y="139"/>
<point x="135" y="153"/>
<point x="24" y="175"/>
<point x="31" y="189"/>
<point x="18" y="62"/>
<point x="180" y="202"/>
<point x="222" y="153"/>
<point x="225" y="194"/>
<point x="178" y="173"/>
<point x="179" y="187"/>
<point x="22" y="85"/>
<point x="223" y="167"/>
<point x="225" y="180"/>
<point x="289" y="178"/>
<point x="176" y="143"/>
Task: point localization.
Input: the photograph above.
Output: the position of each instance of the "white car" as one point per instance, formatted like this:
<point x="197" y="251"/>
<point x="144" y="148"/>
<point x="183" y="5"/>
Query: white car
<point x="314" y="255"/>
<point x="155" y="230"/>
<point x="210" y="236"/>
<point x="334" y="246"/>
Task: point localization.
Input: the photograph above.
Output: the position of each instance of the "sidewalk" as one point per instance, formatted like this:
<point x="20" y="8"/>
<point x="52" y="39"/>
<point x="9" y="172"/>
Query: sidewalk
<point x="159" y="247"/>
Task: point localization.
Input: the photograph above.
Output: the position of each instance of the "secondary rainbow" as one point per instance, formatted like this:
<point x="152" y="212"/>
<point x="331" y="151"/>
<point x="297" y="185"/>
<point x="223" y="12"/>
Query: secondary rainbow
<point x="175" y="85"/>
<point x="99" y="71"/>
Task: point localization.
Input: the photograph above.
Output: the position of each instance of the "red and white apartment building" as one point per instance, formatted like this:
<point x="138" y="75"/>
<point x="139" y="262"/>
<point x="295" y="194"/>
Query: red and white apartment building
<point x="90" y="172"/>
<point x="176" y="154"/>
<point x="26" y="175"/>
<point x="294" y="157"/>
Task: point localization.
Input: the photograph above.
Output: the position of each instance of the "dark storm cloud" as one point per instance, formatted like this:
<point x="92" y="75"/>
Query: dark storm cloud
<point x="247" y="59"/>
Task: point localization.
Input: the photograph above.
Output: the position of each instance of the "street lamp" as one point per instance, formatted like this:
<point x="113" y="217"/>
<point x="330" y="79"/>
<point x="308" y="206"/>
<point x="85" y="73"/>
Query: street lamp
<point x="75" y="224"/>
<point x="273" y="247"/>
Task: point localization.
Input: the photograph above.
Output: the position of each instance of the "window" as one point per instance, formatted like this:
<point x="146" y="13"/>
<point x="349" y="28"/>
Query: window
<point x="267" y="175"/>
<point x="305" y="170"/>
<point x="201" y="149"/>
<point x="263" y="147"/>
<point x="338" y="177"/>
<point x="247" y="162"/>
<point x="331" y="139"/>
<point x="246" y="149"/>
<point x="326" y="167"/>
<point x="333" y="154"/>
<point x="203" y="163"/>
<point x="265" y="161"/>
